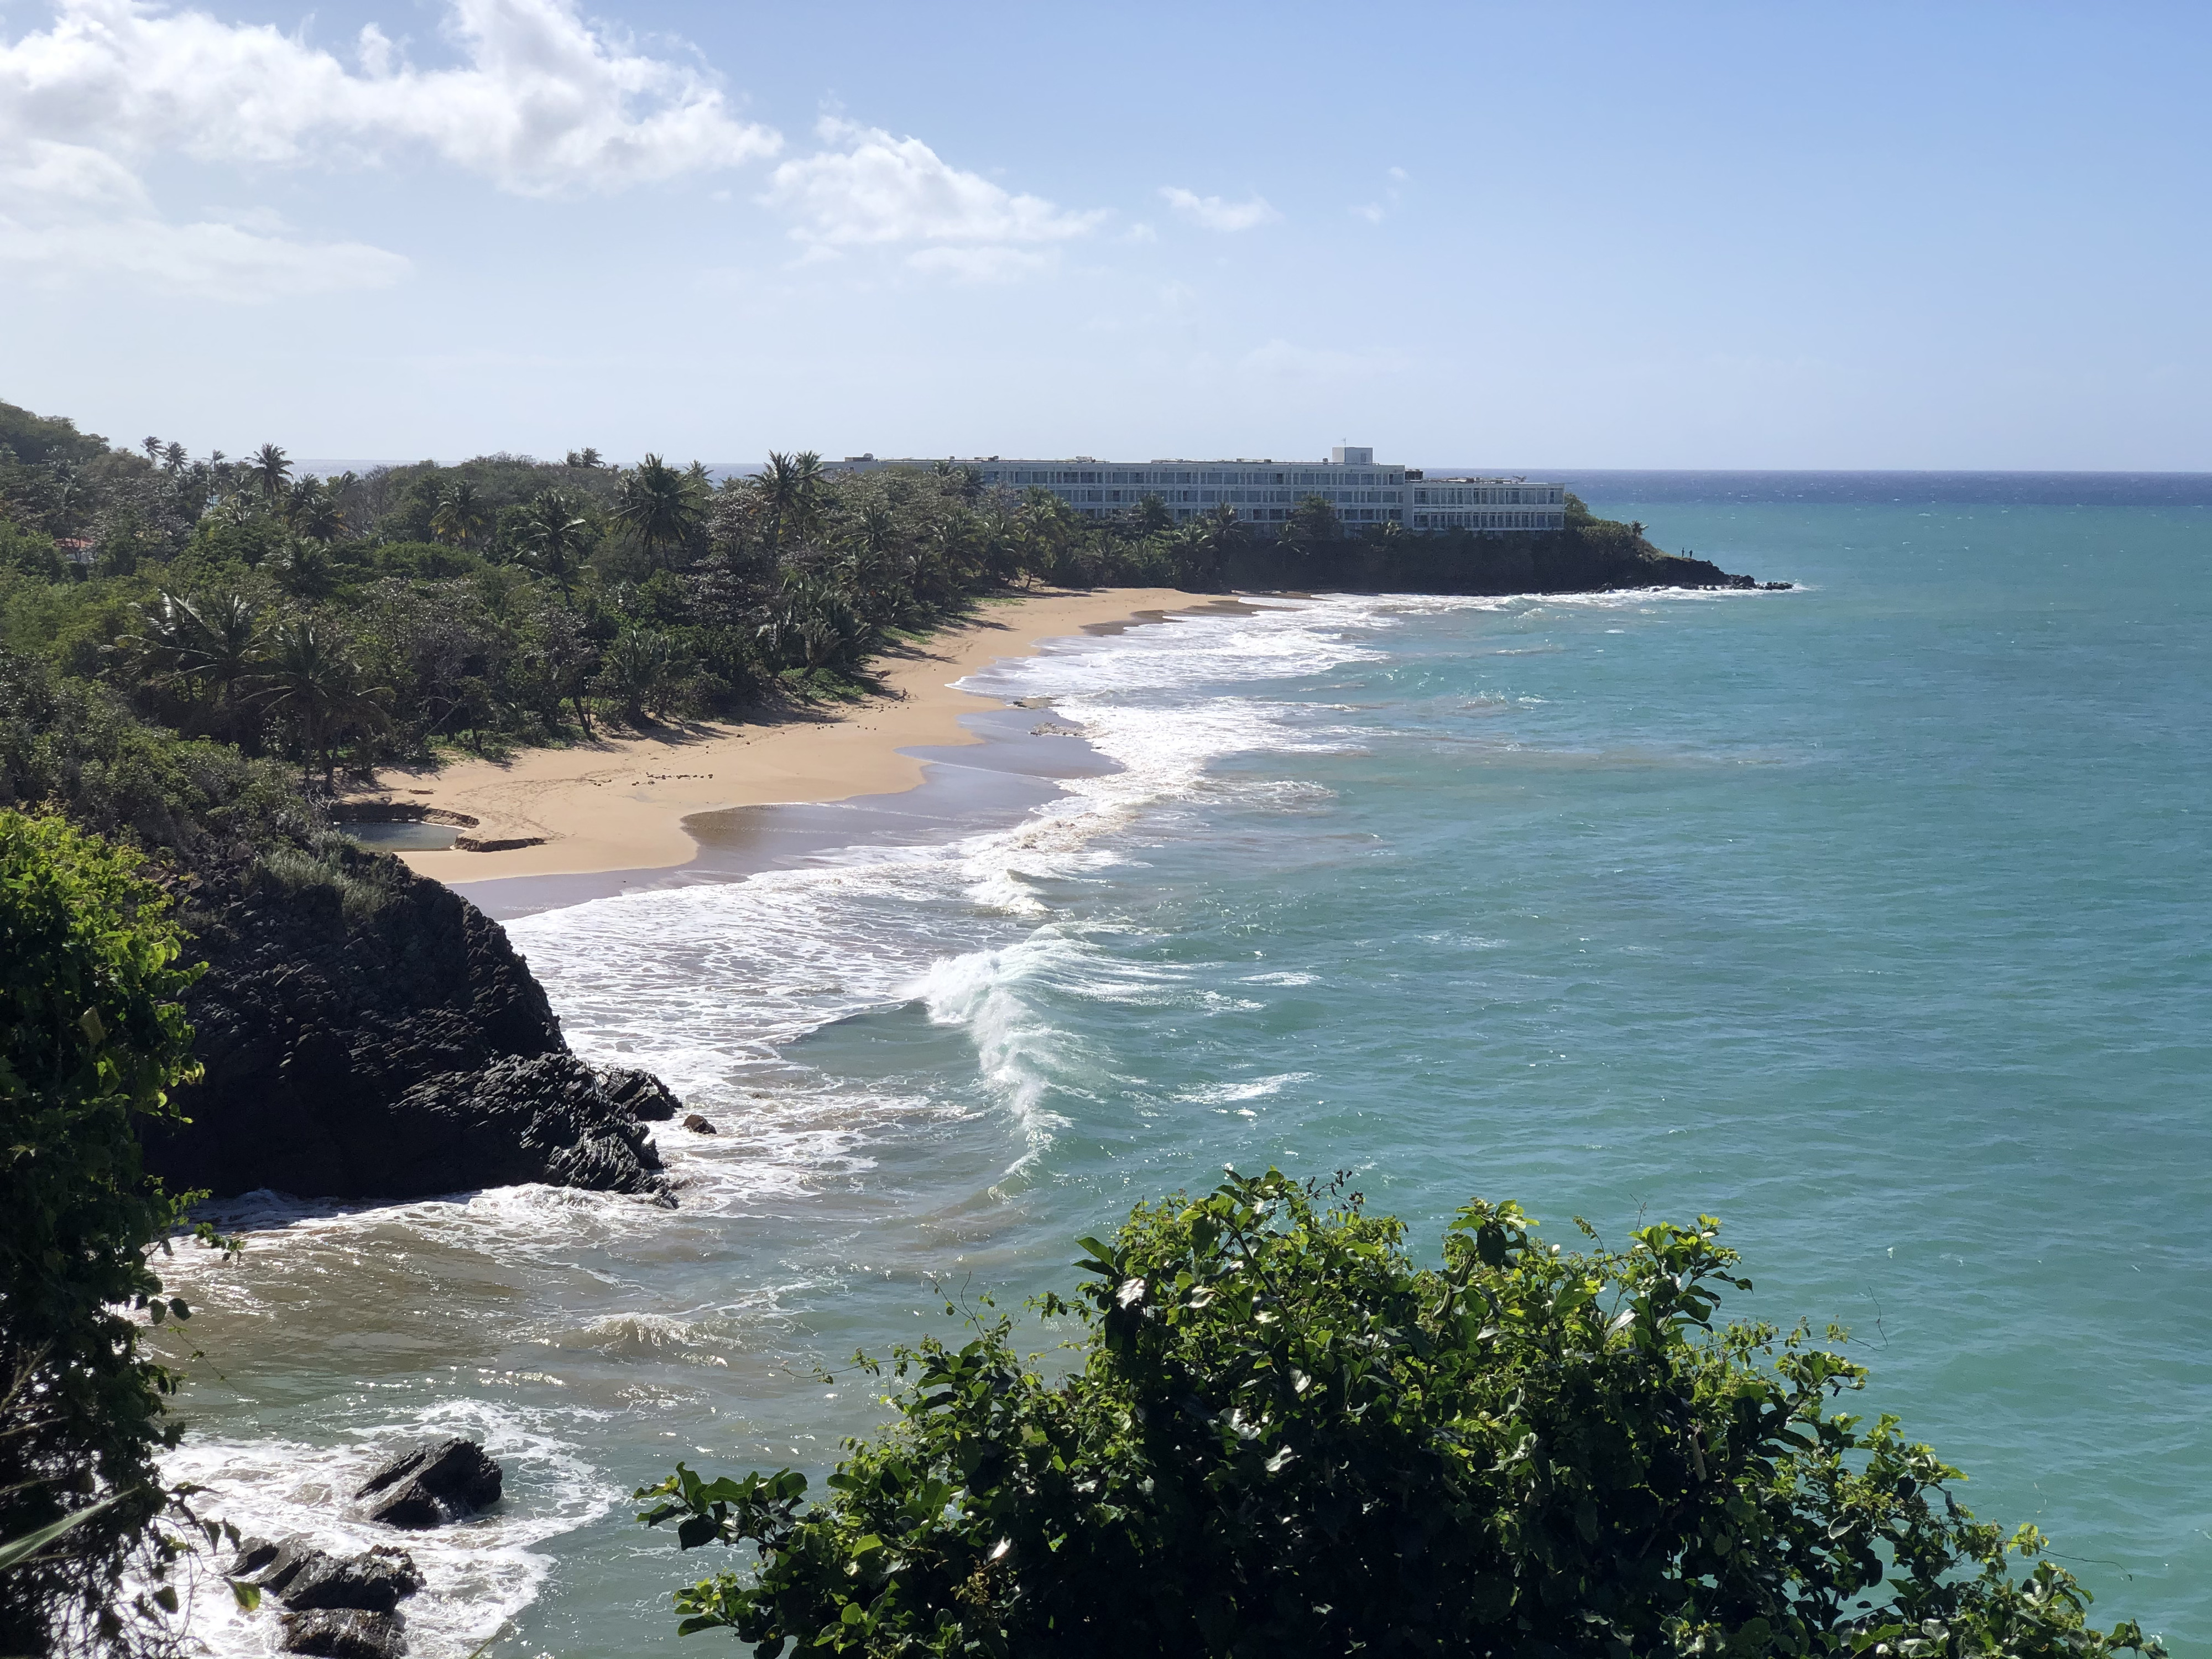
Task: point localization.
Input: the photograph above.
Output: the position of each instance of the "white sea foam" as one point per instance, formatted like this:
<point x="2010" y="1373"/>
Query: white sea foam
<point x="1230" y="1094"/>
<point x="477" y="1574"/>
<point x="711" y="985"/>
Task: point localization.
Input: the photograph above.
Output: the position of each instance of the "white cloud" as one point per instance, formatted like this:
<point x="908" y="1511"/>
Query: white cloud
<point x="66" y="209"/>
<point x="1216" y="213"/>
<point x="872" y="190"/>
<point x="544" y="103"/>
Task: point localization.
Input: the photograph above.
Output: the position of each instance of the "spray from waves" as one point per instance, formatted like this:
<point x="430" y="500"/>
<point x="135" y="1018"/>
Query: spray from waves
<point x="1017" y="1051"/>
<point x="475" y="1577"/>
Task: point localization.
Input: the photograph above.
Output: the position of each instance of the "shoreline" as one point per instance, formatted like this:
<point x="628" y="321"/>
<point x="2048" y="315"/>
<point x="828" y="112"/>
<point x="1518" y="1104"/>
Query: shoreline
<point x="617" y="805"/>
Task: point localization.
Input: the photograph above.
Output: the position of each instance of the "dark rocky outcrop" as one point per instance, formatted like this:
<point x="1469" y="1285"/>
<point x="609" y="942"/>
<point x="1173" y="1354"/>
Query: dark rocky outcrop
<point x="644" y="1095"/>
<point x="1589" y="556"/>
<point x="698" y="1124"/>
<point x="344" y="1634"/>
<point x="305" y="1578"/>
<point x="433" y="1484"/>
<point x="368" y="1033"/>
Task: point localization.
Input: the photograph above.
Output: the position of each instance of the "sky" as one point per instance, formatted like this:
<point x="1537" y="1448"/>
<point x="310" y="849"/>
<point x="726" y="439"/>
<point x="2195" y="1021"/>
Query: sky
<point x="1641" y="234"/>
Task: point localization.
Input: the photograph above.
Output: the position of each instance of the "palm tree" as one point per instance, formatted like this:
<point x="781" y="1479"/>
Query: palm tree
<point x="657" y="505"/>
<point x="215" y="640"/>
<point x="814" y="621"/>
<point x="790" y="490"/>
<point x="315" y="684"/>
<point x="269" y="469"/>
<point x="315" y="511"/>
<point x="876" y="530"/>
<point x="1150" y="516"/>
<point x="459" y="513"/>
<point x="639" y="665"/>
<point x="554" y="535"/>
<point x="582" y="457"/>
<point x="173" y="457"/>
<point x="303" y="569"/>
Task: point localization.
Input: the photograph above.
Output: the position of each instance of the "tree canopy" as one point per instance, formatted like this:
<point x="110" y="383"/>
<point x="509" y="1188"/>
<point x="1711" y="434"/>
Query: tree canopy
<point x="492" y="602"/>
<point x="1285" y="1437"/>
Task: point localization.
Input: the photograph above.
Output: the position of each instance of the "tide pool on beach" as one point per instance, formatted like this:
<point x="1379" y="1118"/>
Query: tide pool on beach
<point x="1871" y="917"/>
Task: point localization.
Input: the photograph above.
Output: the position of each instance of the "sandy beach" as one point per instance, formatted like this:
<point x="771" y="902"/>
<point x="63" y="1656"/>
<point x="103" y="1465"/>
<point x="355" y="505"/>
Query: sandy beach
<point x="619" y="803"/>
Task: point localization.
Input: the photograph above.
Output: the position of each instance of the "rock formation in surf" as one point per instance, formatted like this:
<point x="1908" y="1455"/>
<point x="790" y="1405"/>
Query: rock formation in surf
<point x="370" y="1033"/>
<point x="433" y="1484"/>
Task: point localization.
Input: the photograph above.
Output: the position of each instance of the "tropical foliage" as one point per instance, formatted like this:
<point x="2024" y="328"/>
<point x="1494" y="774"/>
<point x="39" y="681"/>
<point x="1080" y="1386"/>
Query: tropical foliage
<point x="1285" y="1437"/>
<point x="339" y="622"/>
<point x="91" y="1036"/>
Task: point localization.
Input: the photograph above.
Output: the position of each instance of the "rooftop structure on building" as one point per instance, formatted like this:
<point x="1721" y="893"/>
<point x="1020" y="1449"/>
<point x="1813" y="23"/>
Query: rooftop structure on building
<point x="1362" y="490"/>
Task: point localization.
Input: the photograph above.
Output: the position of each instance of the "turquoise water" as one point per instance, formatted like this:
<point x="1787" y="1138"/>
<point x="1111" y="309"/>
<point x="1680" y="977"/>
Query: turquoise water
<point x="1871" y="917"/>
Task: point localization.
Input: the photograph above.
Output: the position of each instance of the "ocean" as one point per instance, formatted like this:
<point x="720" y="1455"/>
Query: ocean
<point x="1871" y="917"/>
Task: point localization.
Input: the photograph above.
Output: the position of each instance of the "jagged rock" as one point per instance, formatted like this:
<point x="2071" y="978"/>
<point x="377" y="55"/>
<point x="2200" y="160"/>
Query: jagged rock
<point x="698" y="1125"/>
<point x="345" y="1633"/>
<point x="433" y="1484"/>
<point x="373" y="1582"/>
<point x="397" y="1050"/>
<point x="254" y="1554"/>
<point x="645" y="1096"/>
<point x="545" y="1117"/>
<point x="304" y="1577"/>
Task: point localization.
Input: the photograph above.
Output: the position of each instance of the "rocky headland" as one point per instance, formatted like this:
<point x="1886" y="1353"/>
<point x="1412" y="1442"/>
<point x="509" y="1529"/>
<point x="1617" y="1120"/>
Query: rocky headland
<point x="368" y="1033"/>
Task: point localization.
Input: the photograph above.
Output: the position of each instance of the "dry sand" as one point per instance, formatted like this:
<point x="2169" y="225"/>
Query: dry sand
<point x="618" y="804"/>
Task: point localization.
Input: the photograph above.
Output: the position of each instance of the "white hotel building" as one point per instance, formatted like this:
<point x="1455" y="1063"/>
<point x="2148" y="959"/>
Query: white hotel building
<point x="1362" y="490"/>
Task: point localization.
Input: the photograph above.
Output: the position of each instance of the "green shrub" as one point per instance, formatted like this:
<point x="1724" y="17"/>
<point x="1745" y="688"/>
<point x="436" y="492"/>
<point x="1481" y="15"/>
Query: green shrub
<point x="72" y="744"/>
<point x="360" y="880"/>
<point x="1287" y="1439"/>
<point x="426" y="561"/>
<point x="30" y="552"/>
<point x="92" y="1036"/>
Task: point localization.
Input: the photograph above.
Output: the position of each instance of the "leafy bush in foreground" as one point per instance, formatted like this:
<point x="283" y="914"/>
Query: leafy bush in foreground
<point x="1288" y="1439"/>
<point x="91" y="1036"/>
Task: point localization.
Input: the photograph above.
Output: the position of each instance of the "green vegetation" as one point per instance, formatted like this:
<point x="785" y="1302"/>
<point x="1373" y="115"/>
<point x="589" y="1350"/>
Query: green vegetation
<point x="91" y="1036"/>
<point x="1285" y="1439"/>
<point x="337" y="622"/>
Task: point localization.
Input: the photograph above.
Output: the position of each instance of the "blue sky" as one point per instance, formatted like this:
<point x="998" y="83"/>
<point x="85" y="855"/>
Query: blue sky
<point x="1590" y="234"/>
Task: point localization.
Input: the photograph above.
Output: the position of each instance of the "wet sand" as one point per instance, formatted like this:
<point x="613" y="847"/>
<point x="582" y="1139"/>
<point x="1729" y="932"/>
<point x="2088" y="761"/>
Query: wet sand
<point x="611" y="813"/>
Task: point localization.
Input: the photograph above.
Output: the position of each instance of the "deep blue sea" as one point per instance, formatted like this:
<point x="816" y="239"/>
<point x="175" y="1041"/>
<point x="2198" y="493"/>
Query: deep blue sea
<point x="1871" y="917"/>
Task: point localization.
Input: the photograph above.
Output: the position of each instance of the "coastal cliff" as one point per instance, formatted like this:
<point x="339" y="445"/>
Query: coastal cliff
<point x="368" y="1033"/>
<point x="1589" y="556"/>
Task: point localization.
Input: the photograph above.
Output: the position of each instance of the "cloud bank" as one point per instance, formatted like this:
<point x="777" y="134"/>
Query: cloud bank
<point x="540" y="102"/>
<point x="544" y="103"/>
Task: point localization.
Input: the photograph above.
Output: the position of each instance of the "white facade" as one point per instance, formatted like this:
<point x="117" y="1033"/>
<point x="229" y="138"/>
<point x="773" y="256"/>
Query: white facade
<point x="1363" y="491"/>
<point x="1493" y="504"/>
